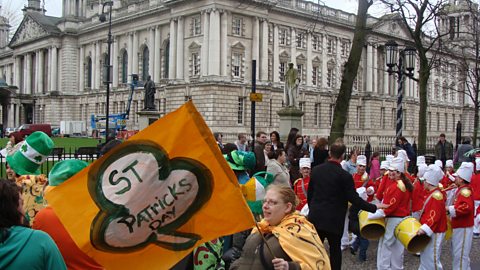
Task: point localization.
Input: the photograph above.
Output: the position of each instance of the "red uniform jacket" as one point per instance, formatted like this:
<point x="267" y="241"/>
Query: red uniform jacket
<point x="398" y="197"/>
<point x="475" y="185"/>
<point x="418" y="196"/>
<point x="382" y="187"/>
<point x="302" y="196"/>
<point x="464" y="208"/>
<point x="434" y="214"/>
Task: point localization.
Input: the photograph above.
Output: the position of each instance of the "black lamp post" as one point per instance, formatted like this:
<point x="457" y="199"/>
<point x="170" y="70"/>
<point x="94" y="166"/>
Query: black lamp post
<point x="107" y="79"/>
<point x="403" y="67"/>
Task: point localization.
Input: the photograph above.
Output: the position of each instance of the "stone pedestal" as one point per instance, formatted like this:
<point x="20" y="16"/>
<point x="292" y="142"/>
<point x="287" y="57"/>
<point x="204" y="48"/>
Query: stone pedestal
<point x="145" y="118"/>
<point x="289" y="117"/>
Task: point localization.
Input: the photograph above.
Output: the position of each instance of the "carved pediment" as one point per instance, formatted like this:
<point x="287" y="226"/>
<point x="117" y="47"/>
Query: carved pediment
<point x="393" y="28"/>
<point x="28" y="30"/>
<point x="194" y="46"/>
<point x="238" y="46"/>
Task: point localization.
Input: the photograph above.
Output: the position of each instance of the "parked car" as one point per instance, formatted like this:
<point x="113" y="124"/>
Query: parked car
<point x="9" y="130"/>
<point x="27" y="129"/>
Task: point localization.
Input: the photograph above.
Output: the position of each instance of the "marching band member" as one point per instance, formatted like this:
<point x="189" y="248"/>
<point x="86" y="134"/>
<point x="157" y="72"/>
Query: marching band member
<point x="383" y="183"/>
<point x="418" y="194"/>
<point x="397" y="196"/>
<point x="448" y="179"/>
<point x="462" y="217"/>
<point x="300" y="186"/>
<point x="475" y="185"/>
<point x="403" y="154"/>
<point x="433" y="218"/>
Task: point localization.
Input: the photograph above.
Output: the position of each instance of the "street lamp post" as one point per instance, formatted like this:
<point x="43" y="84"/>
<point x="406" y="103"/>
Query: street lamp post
<point x="107" y="80"/>
<point x="403" y="68"/>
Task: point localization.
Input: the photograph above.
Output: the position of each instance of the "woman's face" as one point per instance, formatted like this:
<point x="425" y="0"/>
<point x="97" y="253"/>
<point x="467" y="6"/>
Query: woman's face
<point x="273" y="137"/>
<point x="282" y="158"/>
<point x="10" y="173"/>
<point x="299" y="141"/>
<point x="274" y="208"/>
<point x="393" y="175"/>
<point x="12" y="139"/>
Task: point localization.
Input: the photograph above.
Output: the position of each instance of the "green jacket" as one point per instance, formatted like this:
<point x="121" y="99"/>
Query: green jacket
<point x="30" y="249"/>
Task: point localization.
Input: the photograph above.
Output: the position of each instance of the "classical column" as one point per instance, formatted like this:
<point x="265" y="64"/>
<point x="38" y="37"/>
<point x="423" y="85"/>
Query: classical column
<point x="206" y="30"/>
<point x="180" y="48"/>
<point x="264" y="52"/>
<point x="156" y="61"/>
<point x="256" y="43"/>
<point x="309" y="59"/>
<point x="293" y="49"/>
<point x="151" y="52"/>
<point x="54" y="69"/>
<point x="375" y="70"/>
<point x="27" y="68"/>
<point x="214" y="44"/>
<point x="18" y="71"/>
<point x="172" y="50"/>
<point x="114" y="62"/>
<point x="224" y="41"/>
<point x="94" y="66"/>
<point x="11" y="115"/>
<point x="98" y="68"/>
<point x="406" y="87"/>
<point x="130" y="53"/>
<point x="369" y="68"/>
<point x="81" y="79"/>
<point x="276" y="59"/>
<point x="386" y="77"/>
<point x="8" y="74"/>
<point x="135" y="53"/>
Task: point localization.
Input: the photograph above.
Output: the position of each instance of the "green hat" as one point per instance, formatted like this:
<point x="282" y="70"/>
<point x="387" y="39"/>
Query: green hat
<point x="31" y="154"/>
<point x="65" y="169"/>
<point x="240" y="160"/>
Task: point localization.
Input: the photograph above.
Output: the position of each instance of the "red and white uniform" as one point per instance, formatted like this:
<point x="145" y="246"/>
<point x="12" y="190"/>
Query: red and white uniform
<point x="390" y="249"/>
<point x="384" y="183"/>
<point x="434" y="224"/>
<point x="300" y="187"/>
<point x="462" y="212"/>
<point x="475" y="185"/>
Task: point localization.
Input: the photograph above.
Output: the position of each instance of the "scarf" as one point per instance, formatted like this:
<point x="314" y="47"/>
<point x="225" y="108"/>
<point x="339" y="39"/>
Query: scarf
<point x="299" y="239"/>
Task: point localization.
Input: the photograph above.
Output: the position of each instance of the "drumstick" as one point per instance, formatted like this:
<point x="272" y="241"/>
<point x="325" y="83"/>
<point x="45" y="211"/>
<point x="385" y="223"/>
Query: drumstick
<point x="265" y="241"/>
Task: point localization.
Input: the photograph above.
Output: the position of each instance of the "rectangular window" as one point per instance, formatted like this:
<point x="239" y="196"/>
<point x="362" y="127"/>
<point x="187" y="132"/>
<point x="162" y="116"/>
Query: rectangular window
<point x="237" y="26"/>
<point x="382" y="117"/>
<point x="315" y="76"/>
<point x="316" y="43"/>
<point x="236" y="65"/>
<point x="345" y="48"/>
<point x="316" y="112"/>
<point x="282" y="36"/>
<point x="300" y="73"/>
<point x="283" y="65"/>
<point x="197" y="26"/>
<point x="195" y="64"/>
<point x="241" y="110"/>
<point x="331" y="45"/>
<point x="330" y="78"/>
<point x="301" y="40"/>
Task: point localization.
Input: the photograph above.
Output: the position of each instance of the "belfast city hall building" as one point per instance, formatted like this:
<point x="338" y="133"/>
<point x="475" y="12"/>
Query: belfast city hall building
<point x="52" y="68"/>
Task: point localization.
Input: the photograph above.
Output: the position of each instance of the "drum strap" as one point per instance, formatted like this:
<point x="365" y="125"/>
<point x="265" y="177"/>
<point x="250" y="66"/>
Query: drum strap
<point x="303" y="188"/>
<point x="425" y="204"/>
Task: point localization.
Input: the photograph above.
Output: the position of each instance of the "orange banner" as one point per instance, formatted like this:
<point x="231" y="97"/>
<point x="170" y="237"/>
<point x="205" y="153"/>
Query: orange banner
<point x="148" y="202"/>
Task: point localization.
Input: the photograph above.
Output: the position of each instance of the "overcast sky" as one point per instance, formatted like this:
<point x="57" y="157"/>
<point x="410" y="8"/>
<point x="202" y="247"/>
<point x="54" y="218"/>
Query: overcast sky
<point x="54" y="8"/>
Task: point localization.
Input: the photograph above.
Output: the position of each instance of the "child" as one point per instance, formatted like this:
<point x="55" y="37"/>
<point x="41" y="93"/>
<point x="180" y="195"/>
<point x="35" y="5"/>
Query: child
<point x="462" y="212"/>
<point x="433" y="218"/>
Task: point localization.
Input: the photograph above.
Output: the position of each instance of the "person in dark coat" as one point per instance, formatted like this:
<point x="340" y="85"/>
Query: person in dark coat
<point x="329" y="191"/>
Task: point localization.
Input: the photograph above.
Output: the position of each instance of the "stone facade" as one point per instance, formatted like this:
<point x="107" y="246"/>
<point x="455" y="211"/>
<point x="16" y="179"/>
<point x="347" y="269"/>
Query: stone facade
<point x="202" y="50"/>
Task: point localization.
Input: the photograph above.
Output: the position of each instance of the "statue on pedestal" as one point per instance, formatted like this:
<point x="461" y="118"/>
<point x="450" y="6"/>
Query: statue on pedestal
<point x="292" y="81"/>
<point x="149" y="99"/>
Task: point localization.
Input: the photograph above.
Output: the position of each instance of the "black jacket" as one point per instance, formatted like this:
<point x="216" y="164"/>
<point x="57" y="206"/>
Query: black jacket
<point x="329" y="191"/>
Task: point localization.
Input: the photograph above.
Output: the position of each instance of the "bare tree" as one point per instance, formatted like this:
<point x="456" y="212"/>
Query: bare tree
<point x="419" y="16"/>
<point x="350" y="72"/>
<point x="11" y="10"/>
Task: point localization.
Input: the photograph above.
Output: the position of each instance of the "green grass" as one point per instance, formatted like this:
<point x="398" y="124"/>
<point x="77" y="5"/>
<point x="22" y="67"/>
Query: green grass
<point x="64" y="142"/>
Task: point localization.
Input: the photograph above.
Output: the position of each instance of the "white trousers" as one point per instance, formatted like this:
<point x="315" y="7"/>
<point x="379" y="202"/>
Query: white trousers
<point x="430" y="256"/>
<point x="345" y="241"/>
<point x="390" y="250"/>
<point x="461" y="246"/>
<point x="476" y="224"/>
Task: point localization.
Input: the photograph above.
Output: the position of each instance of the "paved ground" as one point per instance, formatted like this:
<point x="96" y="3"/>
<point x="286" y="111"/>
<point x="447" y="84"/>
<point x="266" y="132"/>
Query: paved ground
<point x="351" y="262"/>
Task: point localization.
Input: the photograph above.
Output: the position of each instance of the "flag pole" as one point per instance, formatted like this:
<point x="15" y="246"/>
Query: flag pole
<point x="265" y="240"/>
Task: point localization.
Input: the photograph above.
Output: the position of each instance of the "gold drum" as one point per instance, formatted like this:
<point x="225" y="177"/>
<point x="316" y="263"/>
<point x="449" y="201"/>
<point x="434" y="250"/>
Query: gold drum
<point x="371" y="229"/>
<point x="406" y="233"/>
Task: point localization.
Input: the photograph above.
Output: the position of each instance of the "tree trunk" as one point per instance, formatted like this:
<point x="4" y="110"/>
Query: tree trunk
<point x="350" y="72"/>
<point x="424" y="75"/>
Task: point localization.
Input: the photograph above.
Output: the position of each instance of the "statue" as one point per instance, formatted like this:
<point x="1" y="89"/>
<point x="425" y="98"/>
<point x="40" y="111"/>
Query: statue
<point x="149" y="95"/>
<point x="290" y="91"/>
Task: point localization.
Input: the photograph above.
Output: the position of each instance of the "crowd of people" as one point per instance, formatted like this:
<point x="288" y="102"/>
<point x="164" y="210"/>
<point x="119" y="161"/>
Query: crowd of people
<point x="301" y="193"/>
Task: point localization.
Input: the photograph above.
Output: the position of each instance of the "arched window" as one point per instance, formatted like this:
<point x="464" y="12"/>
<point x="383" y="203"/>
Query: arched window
<point x="167" y="59"/>
<point x="124" y="67"/>
<point x="89" y="72"/>
<point x="145" y="63"/>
